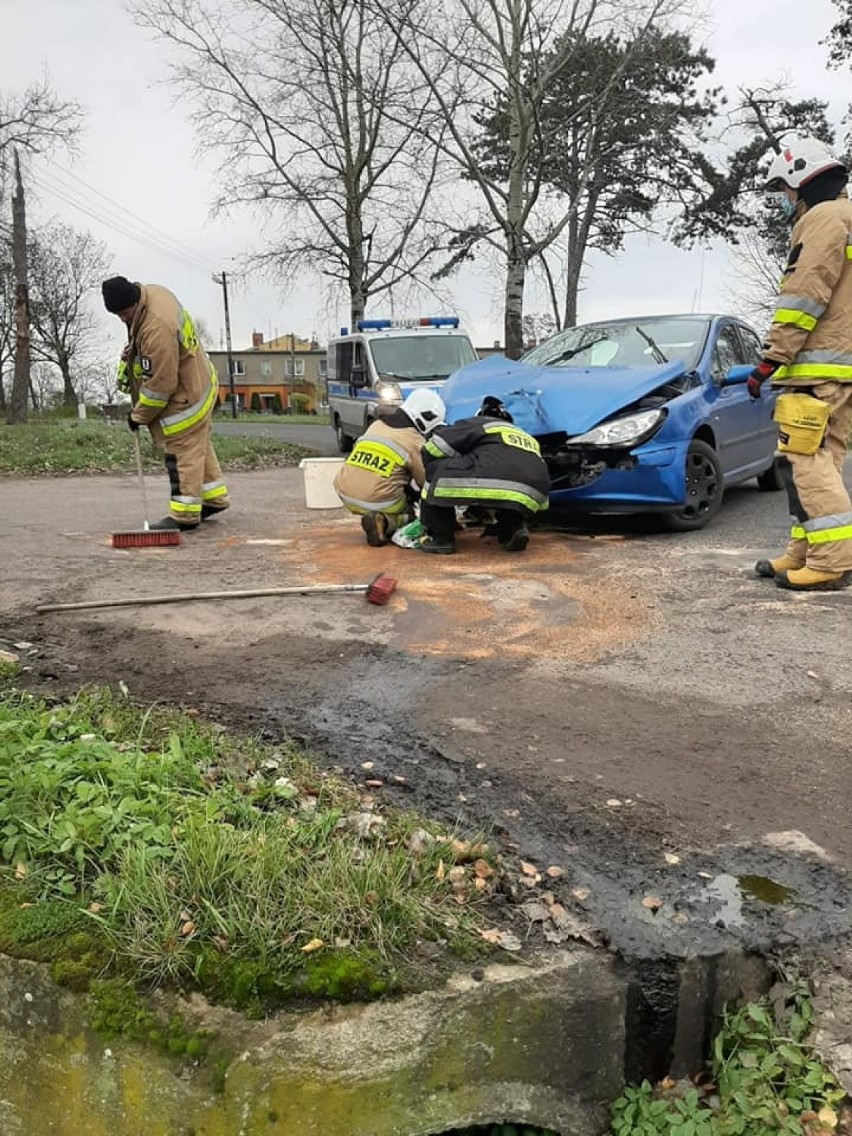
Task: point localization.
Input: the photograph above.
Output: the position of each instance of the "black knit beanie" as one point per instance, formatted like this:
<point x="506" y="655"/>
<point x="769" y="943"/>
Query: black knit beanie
<point x="119" y="293"/>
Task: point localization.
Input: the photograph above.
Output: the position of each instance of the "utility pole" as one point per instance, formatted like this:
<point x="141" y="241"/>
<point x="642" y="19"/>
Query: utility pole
<point x="222" y="280"/>
<point x="17" y="409"/>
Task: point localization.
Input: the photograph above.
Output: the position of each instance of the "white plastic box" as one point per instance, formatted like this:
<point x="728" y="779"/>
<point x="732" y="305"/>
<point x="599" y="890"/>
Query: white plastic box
<point x="319" y="475"/>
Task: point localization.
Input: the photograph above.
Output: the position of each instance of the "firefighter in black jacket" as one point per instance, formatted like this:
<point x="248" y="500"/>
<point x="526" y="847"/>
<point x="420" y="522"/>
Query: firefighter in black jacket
<point x="484" y="461"/>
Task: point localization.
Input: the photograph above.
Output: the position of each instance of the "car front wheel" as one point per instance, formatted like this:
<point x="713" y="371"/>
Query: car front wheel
<point x="705" y="487"/>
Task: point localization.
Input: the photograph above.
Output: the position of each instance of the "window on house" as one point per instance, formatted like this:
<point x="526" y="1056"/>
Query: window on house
<point x="266" y="367"/>
<point x="239" y="367"/>
<point x="294" y="367"/>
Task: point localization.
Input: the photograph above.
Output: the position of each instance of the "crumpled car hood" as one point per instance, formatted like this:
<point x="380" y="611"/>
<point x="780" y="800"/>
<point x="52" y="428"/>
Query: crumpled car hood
<point x="550" y="400"/>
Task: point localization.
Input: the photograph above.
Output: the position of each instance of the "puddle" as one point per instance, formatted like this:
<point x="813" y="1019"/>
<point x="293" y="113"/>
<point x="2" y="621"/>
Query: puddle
<point x="731" y="892"/>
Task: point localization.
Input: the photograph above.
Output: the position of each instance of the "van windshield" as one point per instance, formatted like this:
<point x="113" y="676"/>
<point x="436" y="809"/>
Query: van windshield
<point x="421" y="356"/>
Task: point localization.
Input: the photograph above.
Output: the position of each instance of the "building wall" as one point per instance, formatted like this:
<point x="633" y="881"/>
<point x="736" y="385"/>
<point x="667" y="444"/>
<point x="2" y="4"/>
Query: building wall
<point x="268" y="373"/>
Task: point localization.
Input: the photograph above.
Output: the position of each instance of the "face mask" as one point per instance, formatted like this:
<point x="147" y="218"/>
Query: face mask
<point x="788" y="207"/>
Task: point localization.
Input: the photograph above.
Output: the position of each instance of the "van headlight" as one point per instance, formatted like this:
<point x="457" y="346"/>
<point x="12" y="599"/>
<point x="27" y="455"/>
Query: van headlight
<point x="388" y="392"/>
<point x="624" y="432"/>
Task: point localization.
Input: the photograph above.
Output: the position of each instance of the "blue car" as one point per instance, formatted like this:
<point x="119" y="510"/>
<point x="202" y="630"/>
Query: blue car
<point x="637" y="415"/>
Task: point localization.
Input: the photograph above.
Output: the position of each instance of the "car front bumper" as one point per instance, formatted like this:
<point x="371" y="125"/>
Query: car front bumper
<point x="655" y="481"/>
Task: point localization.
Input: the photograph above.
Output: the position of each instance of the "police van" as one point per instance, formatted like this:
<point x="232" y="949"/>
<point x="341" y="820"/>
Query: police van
<point x="376" y="368"/>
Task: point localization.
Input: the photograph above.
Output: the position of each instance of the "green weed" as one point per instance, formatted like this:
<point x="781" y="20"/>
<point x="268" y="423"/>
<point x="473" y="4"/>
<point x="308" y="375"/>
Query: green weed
<point x="61" y="447"/>
<point x="766" y="1079"/>
<point x="183" y="855"/>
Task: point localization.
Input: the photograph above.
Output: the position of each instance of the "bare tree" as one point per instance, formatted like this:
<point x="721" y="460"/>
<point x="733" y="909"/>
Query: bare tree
<point x="479" y="55"/>
<point x="34" y="121"/>
<point x="7" y="316"/>
<point x="66" y="266"/>
<point x="31" y="122"/>
<point x="322" y="124"/>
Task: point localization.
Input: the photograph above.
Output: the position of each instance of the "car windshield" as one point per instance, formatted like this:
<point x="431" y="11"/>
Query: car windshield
<point x="625" y="343"/>
<point x="421" y="356"/>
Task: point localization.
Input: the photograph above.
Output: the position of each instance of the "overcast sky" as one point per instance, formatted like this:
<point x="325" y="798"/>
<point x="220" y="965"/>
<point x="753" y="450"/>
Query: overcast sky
<point x="139" y="151"/>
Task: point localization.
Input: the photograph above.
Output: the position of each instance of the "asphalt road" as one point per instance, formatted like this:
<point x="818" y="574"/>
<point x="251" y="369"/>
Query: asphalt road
<point x="613" y="694"/>
<point x="319" y="438"/>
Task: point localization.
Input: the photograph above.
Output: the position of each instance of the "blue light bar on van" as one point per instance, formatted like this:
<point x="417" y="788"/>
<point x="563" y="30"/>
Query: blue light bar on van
<point x="422" y="321"/>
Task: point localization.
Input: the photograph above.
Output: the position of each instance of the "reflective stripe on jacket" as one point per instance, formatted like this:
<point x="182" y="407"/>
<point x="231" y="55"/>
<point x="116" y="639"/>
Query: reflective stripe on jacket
<point x="811" y="332"/>
<point x="173" y="383"/>
<point x="375" y="476"/>
<point x="488" y="461"/>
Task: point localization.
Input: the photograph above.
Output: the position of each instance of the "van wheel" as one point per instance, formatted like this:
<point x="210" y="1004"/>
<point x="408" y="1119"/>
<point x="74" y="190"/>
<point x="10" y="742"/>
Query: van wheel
<point x="344" y="442"/>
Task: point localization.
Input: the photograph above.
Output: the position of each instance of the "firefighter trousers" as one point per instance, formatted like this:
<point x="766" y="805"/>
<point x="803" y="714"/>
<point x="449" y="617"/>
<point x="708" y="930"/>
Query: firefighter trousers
<point x="821" y="537"/>
<point x="195" y="478"/>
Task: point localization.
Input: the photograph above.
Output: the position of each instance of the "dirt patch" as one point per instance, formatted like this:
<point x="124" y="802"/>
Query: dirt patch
<point x="590" y="704"/>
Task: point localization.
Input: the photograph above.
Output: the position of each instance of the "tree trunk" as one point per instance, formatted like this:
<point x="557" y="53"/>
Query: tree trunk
<point x="69" y="395"/>
<point x="2" y="391"/>
<point x="17" y="409"/>
<point x="513" y="316"/>
<point x="572" y="284"/>
<point x="34" y="396"/>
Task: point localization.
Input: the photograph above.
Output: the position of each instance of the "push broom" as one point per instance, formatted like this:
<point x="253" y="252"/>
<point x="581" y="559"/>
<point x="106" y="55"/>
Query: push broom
<point x="147" y="537"/>
<point x="378" y="591"/>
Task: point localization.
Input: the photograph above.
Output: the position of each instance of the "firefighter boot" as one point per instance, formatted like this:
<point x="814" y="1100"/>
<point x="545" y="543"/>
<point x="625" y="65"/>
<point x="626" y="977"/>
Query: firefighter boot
<point x="169" y="524"/>
<point x="770" y="568"/>
<point x="375" y="527"/>
<point x="518" y="541"/>
<point x="428" y="544"/>
<point x="813" y="580"/>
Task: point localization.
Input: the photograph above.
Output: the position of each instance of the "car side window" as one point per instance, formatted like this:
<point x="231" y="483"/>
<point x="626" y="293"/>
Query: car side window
<point x="752" y="344"/>
<point x="726" y="354"/>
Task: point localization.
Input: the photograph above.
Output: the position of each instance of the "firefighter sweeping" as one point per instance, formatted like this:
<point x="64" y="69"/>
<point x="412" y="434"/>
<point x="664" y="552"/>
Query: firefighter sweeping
<point x="174" y="390"/>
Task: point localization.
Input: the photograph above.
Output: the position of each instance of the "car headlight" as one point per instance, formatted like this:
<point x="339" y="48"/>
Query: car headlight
<point x="624" y="432"/>
<point x="388" y="392"/>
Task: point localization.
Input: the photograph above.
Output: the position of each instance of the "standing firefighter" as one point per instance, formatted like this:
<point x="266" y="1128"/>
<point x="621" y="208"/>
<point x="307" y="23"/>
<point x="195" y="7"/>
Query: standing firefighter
<point x="174" y="390"/>
<point x="375" y="481"/>
<point x="483" y="461"/>
<point x="808" y="354"/>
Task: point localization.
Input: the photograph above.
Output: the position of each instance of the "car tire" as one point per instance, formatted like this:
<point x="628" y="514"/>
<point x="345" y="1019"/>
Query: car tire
<point x="705" y="488"/>
<point x="344" y="442"/>
<point x="770" y="481"/>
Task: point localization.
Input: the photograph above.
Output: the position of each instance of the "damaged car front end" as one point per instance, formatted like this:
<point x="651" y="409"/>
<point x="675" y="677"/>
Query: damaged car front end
<point x="633" y="415"/>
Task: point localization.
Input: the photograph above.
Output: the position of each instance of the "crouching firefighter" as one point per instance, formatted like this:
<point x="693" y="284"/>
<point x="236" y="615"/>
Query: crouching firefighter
<point x="807" y="354"/>
<point x="174" y="390"/>
<point x="376" y="479"/>
<point x="483" y="461"/>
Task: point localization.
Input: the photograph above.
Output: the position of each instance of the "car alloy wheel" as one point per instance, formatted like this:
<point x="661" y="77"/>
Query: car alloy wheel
<point x="705" y="487"/>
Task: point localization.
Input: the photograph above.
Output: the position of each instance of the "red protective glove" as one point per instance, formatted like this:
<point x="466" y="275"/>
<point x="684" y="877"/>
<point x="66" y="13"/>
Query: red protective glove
<point x="764" y="370"/>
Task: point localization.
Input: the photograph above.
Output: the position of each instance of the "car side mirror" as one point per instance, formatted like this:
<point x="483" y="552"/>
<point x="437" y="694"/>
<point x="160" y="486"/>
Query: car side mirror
<point x="359" y="378"/>
<point x="736" y="376"/>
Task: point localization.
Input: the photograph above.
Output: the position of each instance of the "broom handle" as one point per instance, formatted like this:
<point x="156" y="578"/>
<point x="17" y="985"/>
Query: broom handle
<point x="138" y="449"/>
<point x="146" y="601"/>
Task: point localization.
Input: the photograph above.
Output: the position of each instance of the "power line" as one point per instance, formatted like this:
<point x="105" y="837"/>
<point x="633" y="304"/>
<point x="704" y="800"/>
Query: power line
<point x="117" y="207"/>
<point x="134" y="231"/>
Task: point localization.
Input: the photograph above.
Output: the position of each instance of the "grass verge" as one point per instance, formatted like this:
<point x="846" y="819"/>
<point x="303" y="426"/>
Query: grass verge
<point x="146" y="845"/>
<point x="63" y="447"/>
<point x="763" y="1078"/>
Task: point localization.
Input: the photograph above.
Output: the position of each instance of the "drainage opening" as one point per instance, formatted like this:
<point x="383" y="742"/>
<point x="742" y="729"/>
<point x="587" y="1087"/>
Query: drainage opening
<point x="501" y="1130"/>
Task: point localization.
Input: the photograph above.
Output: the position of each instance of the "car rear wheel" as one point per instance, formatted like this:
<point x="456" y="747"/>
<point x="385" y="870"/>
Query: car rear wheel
<point x="344" y="442"/>
<point x="705" y="487"/>
<point x="770" y="480"/>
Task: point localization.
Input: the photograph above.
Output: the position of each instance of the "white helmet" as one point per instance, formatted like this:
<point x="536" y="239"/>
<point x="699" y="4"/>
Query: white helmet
<point x="800" y="161"/>
<point x="425" y="409"/>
